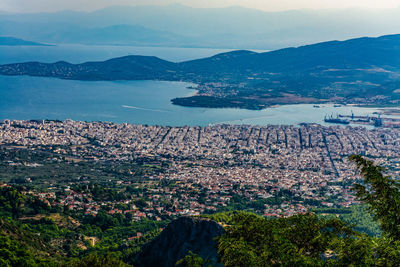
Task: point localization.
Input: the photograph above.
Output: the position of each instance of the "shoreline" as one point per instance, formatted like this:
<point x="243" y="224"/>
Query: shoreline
<point x="277" y="115"/>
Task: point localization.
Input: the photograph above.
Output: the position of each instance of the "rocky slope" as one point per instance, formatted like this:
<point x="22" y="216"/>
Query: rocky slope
<point x="178" y="238"/>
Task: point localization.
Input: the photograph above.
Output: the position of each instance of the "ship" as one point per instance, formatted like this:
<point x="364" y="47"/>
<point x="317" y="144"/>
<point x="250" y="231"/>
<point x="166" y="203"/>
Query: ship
<point x="378" y="122"/>
<point x="331" y="119"/>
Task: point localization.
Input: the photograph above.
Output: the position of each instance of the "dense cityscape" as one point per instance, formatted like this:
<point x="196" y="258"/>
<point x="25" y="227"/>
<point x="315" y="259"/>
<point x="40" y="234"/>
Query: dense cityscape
<point x="281" y="170"/>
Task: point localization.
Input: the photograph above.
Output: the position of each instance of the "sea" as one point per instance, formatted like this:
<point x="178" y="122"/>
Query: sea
<point x="138" y="102"/>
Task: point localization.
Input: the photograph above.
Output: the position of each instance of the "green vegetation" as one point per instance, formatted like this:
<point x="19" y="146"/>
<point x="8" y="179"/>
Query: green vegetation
<point x="94" y="260"/>
<point x="31" y="236"/>
<point x="35" y="233"/>
<point x="191" y="260"/>
<point x="302" y="240"/>
<point x="237" y="201"/>
<point x="296" y="241"/>
<point x="218" y="102"/>
<point x="357" y="215"/>
<point x="311" y="240"/>
<point x="382" y="193"/>
<point x="17" y="164"/>
<point x="19" y="246"/>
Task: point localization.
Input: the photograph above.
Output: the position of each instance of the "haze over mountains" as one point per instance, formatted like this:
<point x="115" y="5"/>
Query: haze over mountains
<point x="11" y="41"/>
<point x="182" y="26"/>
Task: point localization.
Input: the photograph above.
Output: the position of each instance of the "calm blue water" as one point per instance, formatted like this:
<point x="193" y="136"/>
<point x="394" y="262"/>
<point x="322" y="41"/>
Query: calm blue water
<point x="144" y="102"/>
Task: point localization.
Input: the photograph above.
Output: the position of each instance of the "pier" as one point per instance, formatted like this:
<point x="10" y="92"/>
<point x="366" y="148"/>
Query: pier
<point x="377" y="121"/>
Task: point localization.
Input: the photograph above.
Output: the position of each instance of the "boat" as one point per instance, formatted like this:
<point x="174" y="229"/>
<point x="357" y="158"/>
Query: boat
<point x="331" y="119"/>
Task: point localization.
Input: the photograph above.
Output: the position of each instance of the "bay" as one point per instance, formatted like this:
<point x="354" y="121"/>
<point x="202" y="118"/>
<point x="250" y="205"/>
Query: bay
<point x="141" y="102"/>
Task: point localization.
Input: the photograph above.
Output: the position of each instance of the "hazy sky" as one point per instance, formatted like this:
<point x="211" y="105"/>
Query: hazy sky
<point x="269" y="5"/>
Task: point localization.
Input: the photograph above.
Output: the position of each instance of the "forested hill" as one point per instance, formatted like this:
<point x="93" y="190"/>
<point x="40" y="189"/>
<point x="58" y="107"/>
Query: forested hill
<point x="365" y="52"/>
<point x="123" y="68"/>
<point x="354" y="53"/>
<point x="364" y="68"/>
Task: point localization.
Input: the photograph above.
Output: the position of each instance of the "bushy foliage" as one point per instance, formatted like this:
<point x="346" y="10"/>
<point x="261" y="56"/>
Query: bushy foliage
<point x="381" y="193"/>
<point x="302" y="240"/>
<point x="191" y="260"/>
<point x="357" y="215"/>
<point x="250" y="240"/>
<point x="13" y="204"/>
<point x="19" y="247"/>
<point x="94" y="260"/>
<point x="311" y="240"/>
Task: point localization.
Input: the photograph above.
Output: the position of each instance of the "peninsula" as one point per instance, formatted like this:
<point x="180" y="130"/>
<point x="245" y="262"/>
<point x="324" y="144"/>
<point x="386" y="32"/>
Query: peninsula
<point x="357" y="71"/>
<point x="11" y="41"/>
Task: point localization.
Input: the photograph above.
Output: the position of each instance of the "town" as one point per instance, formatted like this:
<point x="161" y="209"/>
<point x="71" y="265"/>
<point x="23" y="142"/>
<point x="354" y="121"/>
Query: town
<point x="277" y="170"/>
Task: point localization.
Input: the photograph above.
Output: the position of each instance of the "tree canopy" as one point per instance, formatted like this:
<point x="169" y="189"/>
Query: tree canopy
<point x="311" y="240"/>
<point x="381" y="193"/>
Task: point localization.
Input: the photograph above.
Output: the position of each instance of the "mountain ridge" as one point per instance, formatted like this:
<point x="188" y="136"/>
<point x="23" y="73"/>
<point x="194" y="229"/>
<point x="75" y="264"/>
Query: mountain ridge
<point x="200" y="27"/>
<point x="359" y="70"/>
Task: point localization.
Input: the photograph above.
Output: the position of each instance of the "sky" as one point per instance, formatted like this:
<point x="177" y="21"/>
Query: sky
<point x="28" y="6"/>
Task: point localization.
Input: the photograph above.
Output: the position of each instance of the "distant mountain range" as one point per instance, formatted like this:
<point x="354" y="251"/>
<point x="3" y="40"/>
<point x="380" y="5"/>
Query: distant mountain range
<point x="122" y="34"/>
<point x="363" y="70"/>
<point x="16" y="42"/>
<point x="182" y="26"/>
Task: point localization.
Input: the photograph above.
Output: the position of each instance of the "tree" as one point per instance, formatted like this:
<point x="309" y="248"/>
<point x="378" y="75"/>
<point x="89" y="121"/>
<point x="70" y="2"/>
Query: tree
<point x="94" y="260"/>
<point x="12" y="200"/>
<point x="191" y="260"/>
<point x="382" y="194"/>
<point x="300" y="240"/>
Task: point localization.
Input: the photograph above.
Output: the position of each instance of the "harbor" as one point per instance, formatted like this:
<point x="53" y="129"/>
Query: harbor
<point x="376" y="120"/>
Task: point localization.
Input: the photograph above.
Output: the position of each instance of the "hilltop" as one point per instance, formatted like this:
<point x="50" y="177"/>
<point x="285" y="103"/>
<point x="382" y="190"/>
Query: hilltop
<point x="188" y="234"/>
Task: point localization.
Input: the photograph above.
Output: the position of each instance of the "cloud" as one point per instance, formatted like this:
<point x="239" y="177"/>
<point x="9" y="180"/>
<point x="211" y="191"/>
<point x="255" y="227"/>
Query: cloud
<point x="28" y="6"/>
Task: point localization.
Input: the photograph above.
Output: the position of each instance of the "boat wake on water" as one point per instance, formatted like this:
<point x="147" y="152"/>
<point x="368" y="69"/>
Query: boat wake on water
<point x="146" y="109"/>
